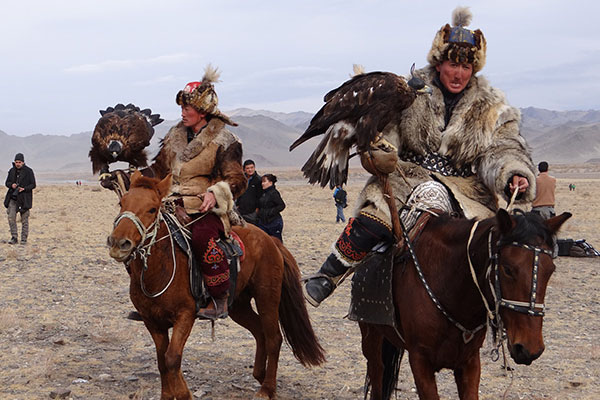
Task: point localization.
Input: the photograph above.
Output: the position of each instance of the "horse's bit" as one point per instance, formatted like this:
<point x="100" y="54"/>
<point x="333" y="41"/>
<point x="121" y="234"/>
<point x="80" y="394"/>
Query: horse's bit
<point x="144" y="250"/>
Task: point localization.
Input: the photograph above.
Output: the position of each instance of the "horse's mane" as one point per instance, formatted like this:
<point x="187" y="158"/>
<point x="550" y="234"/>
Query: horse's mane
<point x="528" y="227"/>
<point x="145" y="182"/>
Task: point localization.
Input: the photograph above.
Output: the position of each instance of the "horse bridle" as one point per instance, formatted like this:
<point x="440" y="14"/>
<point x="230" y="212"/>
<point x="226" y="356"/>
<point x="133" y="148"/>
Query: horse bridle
<point x="531" y="308"/>
<point x="143" y="250"/>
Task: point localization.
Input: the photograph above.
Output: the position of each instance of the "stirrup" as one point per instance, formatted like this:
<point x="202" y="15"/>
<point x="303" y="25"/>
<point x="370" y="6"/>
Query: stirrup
<point x="324" y="289"/>
<point x="212" y="313"/>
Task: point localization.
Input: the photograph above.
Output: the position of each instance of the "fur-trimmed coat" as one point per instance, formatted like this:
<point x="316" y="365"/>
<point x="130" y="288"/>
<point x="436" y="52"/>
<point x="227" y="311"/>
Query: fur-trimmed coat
<point x="483" y="132"/>
<point x="211" y="162"/>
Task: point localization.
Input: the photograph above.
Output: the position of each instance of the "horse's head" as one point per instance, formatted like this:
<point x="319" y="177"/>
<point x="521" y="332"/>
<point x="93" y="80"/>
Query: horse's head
<point x="525" y="264"/>
<point x="139" y="212"/>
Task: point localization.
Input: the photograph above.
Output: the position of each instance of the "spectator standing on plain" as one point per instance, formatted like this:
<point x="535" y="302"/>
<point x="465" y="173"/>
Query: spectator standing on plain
<point x="19" y="198"/>
<point x="339" y="196"/>
<point x="270" y="206"/>
<point x="543" y="204"/>
<point x="247" y="203"/>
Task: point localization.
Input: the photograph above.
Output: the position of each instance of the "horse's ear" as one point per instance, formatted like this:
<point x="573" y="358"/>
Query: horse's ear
<point x="135" y="176"/>
<point x="555" y="223"/>
<point x="164" y="186"/>
<point x="505" y="222"/>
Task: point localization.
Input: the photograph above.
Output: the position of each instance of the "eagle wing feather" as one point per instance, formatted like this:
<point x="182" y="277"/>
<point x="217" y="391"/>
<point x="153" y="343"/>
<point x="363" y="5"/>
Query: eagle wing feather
<point x="354" y="114"/>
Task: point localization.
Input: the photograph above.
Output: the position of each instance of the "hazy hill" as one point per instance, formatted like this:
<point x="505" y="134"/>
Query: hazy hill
<point x="565" y="137"/>
<point x="265" y="138"/>
<point x="562" y="136"/>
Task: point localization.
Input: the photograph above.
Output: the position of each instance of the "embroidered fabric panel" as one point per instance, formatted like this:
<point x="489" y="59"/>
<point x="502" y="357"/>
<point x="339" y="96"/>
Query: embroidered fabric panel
<point x="436" y="163"/>
<point x="360" y="235"/>
<point x="213" y="254"/>
<point x="216" y="280"/>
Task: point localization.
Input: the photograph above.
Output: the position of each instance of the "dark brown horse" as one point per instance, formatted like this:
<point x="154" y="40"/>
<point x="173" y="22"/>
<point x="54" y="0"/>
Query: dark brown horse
<point x="462" y="273"/>
<point x="160" y="290"/>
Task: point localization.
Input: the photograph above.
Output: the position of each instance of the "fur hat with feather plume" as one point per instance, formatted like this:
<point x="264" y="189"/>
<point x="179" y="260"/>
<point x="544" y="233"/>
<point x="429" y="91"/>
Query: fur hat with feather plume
<point x="202" y="96"/>
<point x="458" y="44"/>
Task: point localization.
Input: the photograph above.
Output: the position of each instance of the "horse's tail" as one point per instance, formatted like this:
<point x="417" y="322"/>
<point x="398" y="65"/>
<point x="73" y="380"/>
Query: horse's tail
<point x="293" y="315"/>
<point x="391" y="357"/>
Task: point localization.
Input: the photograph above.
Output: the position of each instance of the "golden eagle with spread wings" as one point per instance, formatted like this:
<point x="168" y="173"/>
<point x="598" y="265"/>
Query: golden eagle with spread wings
<point x="121" y="134"/>
<point x="355" y="114"/>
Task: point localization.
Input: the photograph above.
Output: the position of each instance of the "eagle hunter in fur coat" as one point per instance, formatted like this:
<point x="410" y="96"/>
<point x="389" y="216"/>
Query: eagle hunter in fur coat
<point x="461" y="155"/>
<point x="482" y="136"/>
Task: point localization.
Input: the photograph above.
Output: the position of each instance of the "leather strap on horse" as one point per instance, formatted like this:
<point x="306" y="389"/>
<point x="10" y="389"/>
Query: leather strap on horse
<point x="389" y="198"/>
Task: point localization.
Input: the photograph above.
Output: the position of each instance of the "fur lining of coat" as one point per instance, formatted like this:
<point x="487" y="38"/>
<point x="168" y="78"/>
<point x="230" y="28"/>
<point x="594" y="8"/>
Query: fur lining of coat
<point x="483" y="132"/>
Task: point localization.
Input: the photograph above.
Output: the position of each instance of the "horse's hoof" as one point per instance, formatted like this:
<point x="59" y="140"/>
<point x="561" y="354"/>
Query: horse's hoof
<point x="262" y="394"/>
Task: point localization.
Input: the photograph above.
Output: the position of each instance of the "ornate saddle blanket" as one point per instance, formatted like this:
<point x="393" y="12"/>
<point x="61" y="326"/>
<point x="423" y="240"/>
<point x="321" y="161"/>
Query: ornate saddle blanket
<point x="371" y="291"/>
<point x="232" y="247"/>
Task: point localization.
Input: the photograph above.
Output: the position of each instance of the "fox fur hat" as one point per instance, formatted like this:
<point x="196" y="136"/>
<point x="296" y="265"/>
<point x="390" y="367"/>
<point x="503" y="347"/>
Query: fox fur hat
<point x="458" y="44"/>
<point x="202" y="96"/>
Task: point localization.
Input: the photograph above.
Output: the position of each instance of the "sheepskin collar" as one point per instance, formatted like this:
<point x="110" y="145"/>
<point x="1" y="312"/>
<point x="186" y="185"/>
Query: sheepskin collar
<point x="470" y="128"/>
<point x="213" y="133"/>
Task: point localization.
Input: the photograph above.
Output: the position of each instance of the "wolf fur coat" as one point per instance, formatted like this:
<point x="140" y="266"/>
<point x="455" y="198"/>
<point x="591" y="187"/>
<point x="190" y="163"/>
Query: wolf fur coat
<point x="483" y="133"/>
<point x="211" y="162"/>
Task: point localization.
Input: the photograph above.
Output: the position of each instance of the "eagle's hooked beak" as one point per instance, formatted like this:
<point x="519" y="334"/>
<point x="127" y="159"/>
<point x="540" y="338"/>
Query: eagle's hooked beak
<point x="115" y="147"/>
<point x="425" y="90"/>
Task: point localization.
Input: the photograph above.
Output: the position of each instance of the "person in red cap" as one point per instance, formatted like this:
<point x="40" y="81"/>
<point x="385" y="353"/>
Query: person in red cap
<point x="205" y="160"/>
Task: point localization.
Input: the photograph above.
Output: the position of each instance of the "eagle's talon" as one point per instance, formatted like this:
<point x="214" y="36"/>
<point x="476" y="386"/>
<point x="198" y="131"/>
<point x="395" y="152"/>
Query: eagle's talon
<point x="104" y="175"/>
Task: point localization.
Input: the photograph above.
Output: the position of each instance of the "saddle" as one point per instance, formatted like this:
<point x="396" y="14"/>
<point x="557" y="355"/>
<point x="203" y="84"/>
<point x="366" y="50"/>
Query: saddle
<point x="232" y="247"/>
<point x="371" y="290"/>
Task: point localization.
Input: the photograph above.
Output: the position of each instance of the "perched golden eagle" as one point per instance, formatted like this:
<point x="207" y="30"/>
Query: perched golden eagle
<point x="121" y="134"/>
<point x="355" y="114"/>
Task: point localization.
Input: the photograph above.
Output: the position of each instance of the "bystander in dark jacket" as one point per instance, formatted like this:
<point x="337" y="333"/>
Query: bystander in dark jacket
<point x="19" y="197"/>
<point x="247" y="203"/>
<point x="270" y="207"/>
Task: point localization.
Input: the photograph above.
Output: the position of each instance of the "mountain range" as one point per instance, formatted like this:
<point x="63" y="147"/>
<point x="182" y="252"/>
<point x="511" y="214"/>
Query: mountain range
<point x="560" y="137"/>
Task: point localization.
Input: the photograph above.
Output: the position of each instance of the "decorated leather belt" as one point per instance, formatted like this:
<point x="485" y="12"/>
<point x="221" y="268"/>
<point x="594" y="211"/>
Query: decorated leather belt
<point x="436" y="163"/>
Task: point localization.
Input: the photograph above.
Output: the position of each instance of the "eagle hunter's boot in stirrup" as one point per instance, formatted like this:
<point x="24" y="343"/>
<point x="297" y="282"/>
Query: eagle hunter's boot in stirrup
<point x="319" y="287"/>
<point x="355" y="242"/>
<point x="217" y="308"/>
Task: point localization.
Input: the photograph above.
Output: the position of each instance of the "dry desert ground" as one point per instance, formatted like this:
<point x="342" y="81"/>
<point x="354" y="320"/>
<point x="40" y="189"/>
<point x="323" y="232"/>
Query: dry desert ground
<point x="63" y="303"/>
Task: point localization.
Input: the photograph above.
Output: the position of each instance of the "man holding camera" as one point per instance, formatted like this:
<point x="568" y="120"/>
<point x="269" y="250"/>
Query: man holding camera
<point x="19" y="198"/>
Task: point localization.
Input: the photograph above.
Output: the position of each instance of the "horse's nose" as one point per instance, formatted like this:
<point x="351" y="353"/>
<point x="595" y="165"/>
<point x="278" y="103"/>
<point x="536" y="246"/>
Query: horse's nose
<point x="122" y="244"/>
<point x="521" y="355"/>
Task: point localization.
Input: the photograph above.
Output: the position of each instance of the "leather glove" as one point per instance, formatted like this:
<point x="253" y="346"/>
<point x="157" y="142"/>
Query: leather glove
<point x="109" y="180"/>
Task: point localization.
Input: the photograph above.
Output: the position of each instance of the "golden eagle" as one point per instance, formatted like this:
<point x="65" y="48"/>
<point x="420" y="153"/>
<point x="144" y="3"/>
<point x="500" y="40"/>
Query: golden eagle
<point x="121" y="134"/>
<point x="355" y="114"/>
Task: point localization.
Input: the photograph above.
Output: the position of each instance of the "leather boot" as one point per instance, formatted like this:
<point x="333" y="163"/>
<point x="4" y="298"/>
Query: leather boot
<point x="318" y="288"/>
<point x="217" y="308"/>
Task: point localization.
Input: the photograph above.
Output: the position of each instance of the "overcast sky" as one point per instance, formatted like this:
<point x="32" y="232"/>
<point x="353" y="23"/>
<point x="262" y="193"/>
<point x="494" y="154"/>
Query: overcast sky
<point x="62" y="61"/>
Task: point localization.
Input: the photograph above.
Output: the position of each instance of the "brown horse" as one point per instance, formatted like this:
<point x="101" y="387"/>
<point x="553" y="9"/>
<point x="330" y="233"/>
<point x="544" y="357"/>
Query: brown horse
<point x="160" y="290"/>
<point x="458" y="275"/>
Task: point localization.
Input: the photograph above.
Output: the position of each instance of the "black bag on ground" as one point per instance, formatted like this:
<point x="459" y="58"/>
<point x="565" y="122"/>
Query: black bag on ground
<point x="576" y="248"/>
